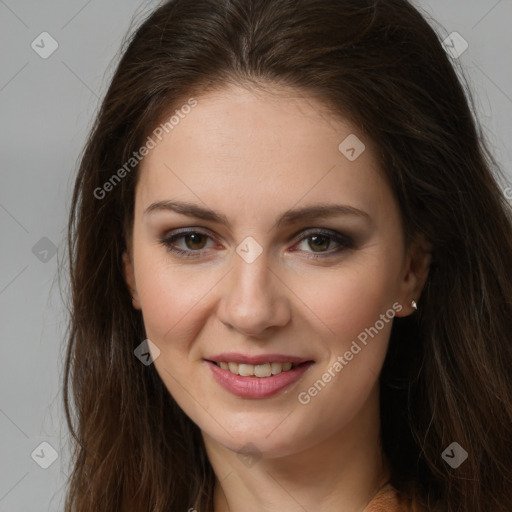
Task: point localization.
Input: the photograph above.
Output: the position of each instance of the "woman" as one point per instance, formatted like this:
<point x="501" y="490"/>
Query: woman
<point x="289" y="270"/>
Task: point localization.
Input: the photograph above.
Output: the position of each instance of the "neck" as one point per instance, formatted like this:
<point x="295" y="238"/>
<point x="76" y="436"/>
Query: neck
<point x="340" y="473"/>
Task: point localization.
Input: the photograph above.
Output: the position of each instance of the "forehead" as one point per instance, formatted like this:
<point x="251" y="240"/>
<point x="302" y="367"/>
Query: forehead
<point x="260" y="147"/>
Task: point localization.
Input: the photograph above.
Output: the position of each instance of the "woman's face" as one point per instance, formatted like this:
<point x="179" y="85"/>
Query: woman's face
<point x="290" y="250"/>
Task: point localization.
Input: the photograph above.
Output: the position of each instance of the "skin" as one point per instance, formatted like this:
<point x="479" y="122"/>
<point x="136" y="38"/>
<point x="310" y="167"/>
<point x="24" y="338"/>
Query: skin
<point x="252" y="156"/>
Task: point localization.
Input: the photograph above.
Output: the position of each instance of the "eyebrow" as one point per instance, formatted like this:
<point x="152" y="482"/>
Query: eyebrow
<point x="292" y="216"/>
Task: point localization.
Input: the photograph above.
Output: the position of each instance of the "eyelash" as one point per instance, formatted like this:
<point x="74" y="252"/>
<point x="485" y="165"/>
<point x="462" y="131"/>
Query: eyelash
<point x="344" y="241"/>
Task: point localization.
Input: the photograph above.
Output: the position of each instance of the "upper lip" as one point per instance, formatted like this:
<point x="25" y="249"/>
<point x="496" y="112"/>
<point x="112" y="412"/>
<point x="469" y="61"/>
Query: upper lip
<point x="232" y="357"/>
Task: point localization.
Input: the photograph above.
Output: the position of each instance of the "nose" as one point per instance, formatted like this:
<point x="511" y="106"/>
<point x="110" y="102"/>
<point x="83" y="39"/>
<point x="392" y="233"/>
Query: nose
<point x="254" y="299"/>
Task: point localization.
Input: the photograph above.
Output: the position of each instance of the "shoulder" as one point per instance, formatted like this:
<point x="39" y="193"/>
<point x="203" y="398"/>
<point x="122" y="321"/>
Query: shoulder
<point x="388" y="499"/>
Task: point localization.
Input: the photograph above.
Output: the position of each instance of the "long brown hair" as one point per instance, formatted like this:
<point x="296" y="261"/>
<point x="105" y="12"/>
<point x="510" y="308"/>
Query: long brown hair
<point x="446" y="377"/>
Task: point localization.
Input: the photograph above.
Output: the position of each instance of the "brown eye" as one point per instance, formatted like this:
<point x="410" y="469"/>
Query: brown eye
<point x="319" y="243"/>
<point x="323" y="243"/>
<point x="187" y="243"/>
<point x="195" y="241"/>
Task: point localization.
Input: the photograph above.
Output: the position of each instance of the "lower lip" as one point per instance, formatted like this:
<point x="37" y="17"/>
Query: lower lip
<point x="257" y="387"/>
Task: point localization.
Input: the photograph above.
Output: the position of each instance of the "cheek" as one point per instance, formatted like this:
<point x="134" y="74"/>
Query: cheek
<point x="356" y="306"/>
<point x="173" y="299"/>
<point x="360" y="314"/>
<point x="352" y="297"/>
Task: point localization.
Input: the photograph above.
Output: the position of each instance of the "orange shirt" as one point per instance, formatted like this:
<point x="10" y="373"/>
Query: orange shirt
<point x="388" y="500"/>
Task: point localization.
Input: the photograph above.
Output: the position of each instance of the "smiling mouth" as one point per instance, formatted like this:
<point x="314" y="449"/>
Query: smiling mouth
<point x="257" y="370"/>
<point x="254" y="381"/>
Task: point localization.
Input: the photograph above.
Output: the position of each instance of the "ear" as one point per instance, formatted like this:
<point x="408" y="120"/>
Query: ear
<point x="129" y="277"/>
<point x="414" y="275"/>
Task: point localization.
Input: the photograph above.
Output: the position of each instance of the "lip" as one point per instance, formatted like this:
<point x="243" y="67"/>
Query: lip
<point x="257" y="387"/>
<point x="236" y="357"/>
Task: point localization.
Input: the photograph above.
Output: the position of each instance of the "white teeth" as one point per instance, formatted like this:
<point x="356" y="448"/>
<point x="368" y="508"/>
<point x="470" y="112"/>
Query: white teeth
<point x="263" y="370"/>
<point x="258" y="370"/>
<point x="245" y="370"/>
<point x="276" y="368"/>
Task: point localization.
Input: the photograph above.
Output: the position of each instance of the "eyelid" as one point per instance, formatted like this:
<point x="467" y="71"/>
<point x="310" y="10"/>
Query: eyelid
<point x="167" y="239"/>
<point x="344" y="241"/>
<point x="332" y="233"/>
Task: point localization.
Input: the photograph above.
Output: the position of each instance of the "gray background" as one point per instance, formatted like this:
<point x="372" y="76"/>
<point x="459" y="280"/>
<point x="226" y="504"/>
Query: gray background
<point x="46" y="109"/>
